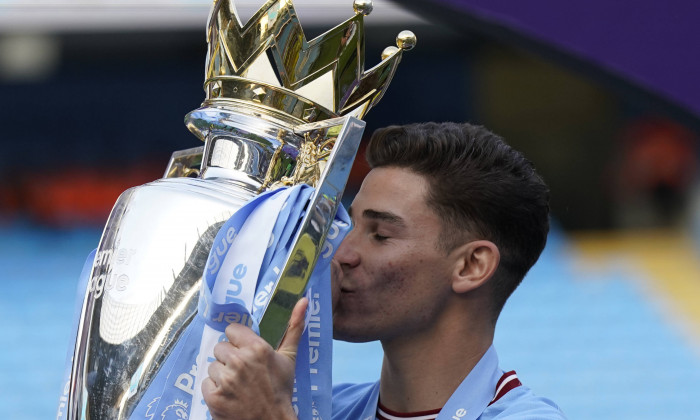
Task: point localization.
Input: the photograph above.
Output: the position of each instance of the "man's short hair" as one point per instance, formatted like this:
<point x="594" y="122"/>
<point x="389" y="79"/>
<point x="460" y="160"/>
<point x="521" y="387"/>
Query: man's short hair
<point x="480" y="187"/>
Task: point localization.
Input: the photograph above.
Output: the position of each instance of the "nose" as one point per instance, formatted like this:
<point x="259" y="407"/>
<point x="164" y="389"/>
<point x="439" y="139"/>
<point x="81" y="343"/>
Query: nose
<point x="347" y="253"/>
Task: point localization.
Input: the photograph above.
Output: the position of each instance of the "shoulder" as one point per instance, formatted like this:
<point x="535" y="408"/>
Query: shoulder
<point x="522" y="404"/>
<point x="351" y="399"/>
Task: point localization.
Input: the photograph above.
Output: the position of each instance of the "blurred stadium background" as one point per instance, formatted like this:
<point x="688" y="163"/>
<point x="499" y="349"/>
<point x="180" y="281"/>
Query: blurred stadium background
<point x="92" y="100"/>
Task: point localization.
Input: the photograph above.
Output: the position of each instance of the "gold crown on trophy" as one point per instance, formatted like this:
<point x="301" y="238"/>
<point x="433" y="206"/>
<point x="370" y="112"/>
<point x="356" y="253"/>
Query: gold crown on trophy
<point x="269" y="63"/>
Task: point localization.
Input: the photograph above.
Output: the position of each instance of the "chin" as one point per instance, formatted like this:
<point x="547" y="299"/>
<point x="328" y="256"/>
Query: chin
<point x="350" y="336"/>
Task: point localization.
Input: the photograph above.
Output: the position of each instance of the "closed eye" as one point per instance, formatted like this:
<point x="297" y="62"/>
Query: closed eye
<point x="378" y="237"/>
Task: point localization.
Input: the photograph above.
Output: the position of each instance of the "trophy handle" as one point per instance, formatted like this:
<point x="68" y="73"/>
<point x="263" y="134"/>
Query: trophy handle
<point x="185" y="163"/>
<point x="309" y="242"/>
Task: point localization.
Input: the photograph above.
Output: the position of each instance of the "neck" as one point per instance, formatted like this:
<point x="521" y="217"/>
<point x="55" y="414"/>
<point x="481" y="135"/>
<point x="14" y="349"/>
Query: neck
<point x="421" y="371"/>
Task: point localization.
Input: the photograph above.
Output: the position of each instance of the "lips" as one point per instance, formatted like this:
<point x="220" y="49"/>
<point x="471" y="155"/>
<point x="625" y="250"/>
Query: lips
<point x="346" y="285"/>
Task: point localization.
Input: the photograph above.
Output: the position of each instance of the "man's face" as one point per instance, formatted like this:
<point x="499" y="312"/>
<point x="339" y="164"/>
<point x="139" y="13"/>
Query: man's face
<point x="393" y="278"/>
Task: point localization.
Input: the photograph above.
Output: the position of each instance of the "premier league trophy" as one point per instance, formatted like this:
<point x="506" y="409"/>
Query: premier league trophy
<point x="279" y="111"/>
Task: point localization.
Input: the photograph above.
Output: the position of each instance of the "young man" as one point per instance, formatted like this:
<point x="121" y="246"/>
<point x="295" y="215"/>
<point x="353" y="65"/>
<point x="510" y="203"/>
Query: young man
<point x="446" y="225"/>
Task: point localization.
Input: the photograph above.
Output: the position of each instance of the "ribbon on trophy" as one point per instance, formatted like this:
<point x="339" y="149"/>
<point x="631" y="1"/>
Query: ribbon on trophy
<point x="243" y="268"/>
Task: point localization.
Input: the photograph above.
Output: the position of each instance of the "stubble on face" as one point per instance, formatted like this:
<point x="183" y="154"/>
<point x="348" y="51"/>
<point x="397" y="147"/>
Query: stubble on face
<point x="389" y="286"/>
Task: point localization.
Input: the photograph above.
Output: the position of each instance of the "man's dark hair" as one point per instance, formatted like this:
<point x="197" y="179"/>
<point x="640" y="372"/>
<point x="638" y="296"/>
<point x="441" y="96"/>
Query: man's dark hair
<point x="480" y="187"/>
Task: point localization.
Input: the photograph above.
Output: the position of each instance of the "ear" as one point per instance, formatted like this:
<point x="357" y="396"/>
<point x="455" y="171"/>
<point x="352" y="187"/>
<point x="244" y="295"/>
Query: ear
<point x="475" y="264"/>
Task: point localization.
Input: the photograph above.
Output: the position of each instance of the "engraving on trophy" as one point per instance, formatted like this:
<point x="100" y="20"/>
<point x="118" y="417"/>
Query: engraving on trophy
<point x="310" y="162"/>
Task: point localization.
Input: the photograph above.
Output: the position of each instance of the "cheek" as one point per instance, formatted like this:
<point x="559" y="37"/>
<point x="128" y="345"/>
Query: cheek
<point x="408" y="296"/>
<point x="406" y="278"/>
<point x="391" y="274"/>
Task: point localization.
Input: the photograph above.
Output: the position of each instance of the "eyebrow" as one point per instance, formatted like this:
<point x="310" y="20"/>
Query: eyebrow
<point x="383" y="216"/>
